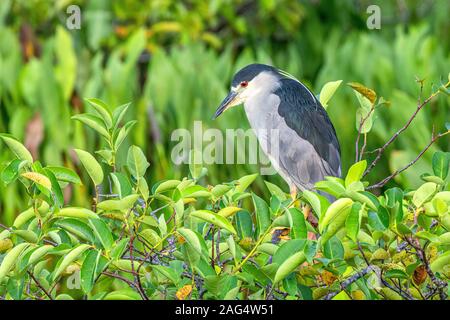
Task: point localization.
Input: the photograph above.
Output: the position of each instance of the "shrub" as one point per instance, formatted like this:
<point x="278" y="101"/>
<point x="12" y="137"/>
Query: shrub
<point x="178" y="239"/>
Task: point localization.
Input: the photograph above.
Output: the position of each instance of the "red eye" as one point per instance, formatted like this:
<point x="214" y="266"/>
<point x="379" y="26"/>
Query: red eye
<point x="244" y="84"/>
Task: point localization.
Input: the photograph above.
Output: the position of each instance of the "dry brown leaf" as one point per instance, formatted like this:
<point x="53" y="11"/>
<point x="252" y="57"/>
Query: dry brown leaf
<point x="366" y="92"/>
<point x="420" y="275"/>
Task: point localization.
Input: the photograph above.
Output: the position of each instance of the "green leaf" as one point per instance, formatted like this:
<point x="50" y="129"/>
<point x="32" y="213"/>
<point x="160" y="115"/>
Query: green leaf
<point x="77" y="228"/>
<point x="424" y="193"/>
<point x="102" y="109"/>
<point x="288" y="249"/>
<point x="118" y="205"/>
<point x="119" y="249"/>
<point x="244" y="182"/>
<point x="352" y="223"/>
<point x="16" y="147"/>
<point x="276" y="191"/>
<point x="64" y="174"/>
<point x="119" y="113"/>
<point x="244" y="224"/>
<point x="328" y="91"/>
<point x="355" y="173"/>
<point x="137" y="162"/>
<point x="299" y="229"/>
<point x="76" y="212"/>
<point x="11" y="172"/>
<point x="213" y="218"/>
<point x="167" y="272"/>
<point x="121" y="184"/>
<point x="56" y="188"/>
<point x="192" y="238"/>
<point x="91" y="165"/>
<point x="102" y="233"/>
<point x="93" y="122"/>
<point x="289" y="265"/>
<point x="333" y="249"/>
<point x="39" y="179"/>
<point x="87" y="273"/>
<point x="123" y="133"/>
<point x="10" y="259"/>
<point x="428" y="236"/>
<point x="441" y="163"/>
<point x="262" y="214"/>
<point x="67" y="259"/>
<point x="396" y="274"/>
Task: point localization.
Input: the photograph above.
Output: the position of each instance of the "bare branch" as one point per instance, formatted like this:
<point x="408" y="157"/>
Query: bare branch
<point x="420" y="105"/>
<point x="397" y="172"/>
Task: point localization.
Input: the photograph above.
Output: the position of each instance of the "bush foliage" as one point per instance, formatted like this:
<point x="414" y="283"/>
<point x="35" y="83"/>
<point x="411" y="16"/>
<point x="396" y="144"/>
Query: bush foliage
<point x="179" y="239"/>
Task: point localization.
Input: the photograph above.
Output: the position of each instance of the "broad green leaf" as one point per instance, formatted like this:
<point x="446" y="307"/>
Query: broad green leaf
<point x="119" y="249"/>
<point x="299" y="229"/>
<point x="56" y="188"/>
<point x="102" y="109"/>
<point x="93" y="122"/>
<point x="275" y="190"/>
<point x="11" y="172"/>
<point x="289" y="265"/>
<point x="64" y="174"/>
<point x="213" y="218"/>
<point x="16" y="147"/>
<point x="77" y="228"/>
<point x="333" y="249"/>
<point x="87" y="273"/>
<point x="137" y="162"/>
<point x="424" y="193"/>
<point x="167" y="272"/>
<point x="118" y="205"/>
<point x="355" y="173"/>
<point x="339" y="207"/>
<point x="167" y="185"/>
<point x="119" y="113"/>
<point x="262" y="214"/>
<point x="396" y="274"/>
<point x="91" y="165"/>
<point x="102" y="233"/>
<point x="244" y="182"/>
<point x="123" y="133"/>
<point x="191" y="238"/>
<point x="427" y="236"/>
<point x="328" y="91"/>
<point x="121" y="184"/>
<point x="441" y="163"/>
<point x="76" y="212"/>
<point x="244" y="224"/>
<point x="352" y="223"/>
<point x="152" y="238"/>
<point x="288" y="249"/>
<point x="10" y="259"/>
<point x="66" y="260"/>
<point x="228" y="211"/>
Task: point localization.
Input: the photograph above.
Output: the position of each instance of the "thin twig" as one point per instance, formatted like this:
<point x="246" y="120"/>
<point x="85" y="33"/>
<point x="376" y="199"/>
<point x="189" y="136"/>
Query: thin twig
<point x="420" y="253"/>
<point x="381" y="150"/>
<point x="346" y="283"/>
<point x="397" y="172"/>
<point x="40" y="285"/>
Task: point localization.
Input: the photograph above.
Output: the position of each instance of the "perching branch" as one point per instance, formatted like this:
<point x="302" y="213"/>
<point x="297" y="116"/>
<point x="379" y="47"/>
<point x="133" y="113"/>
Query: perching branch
<point x="346" y="283"/>
<point x="420" y="105"/>
<point x="420" y="253"/>
<point x="397" y="172"/>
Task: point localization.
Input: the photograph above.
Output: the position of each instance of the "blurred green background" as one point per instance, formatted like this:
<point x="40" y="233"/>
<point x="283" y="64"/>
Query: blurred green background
<point x="173" y="59"/>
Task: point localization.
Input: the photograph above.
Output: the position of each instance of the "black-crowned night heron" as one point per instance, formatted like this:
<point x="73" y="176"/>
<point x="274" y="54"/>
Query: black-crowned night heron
<point x="274" y="101"/>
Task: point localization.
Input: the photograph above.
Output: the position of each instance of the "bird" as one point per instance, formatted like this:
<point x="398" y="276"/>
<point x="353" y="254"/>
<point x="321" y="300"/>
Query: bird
<point x="276" y="103"/>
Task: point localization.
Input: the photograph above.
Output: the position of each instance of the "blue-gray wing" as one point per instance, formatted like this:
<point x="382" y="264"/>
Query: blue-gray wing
<point x="309" y="149"/>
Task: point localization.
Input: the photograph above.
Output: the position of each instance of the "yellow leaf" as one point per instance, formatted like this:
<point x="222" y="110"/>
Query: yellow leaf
<point x="366" y="92"/>
<point x="184" y="292"/>
<point x="38" y="178"/>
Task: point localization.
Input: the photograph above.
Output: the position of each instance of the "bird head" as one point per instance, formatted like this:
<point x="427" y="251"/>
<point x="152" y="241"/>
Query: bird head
<point x="248" y="82"/>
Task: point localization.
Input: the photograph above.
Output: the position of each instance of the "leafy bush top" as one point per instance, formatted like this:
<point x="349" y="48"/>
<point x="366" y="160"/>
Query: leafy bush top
<point x="180" y="240"/>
